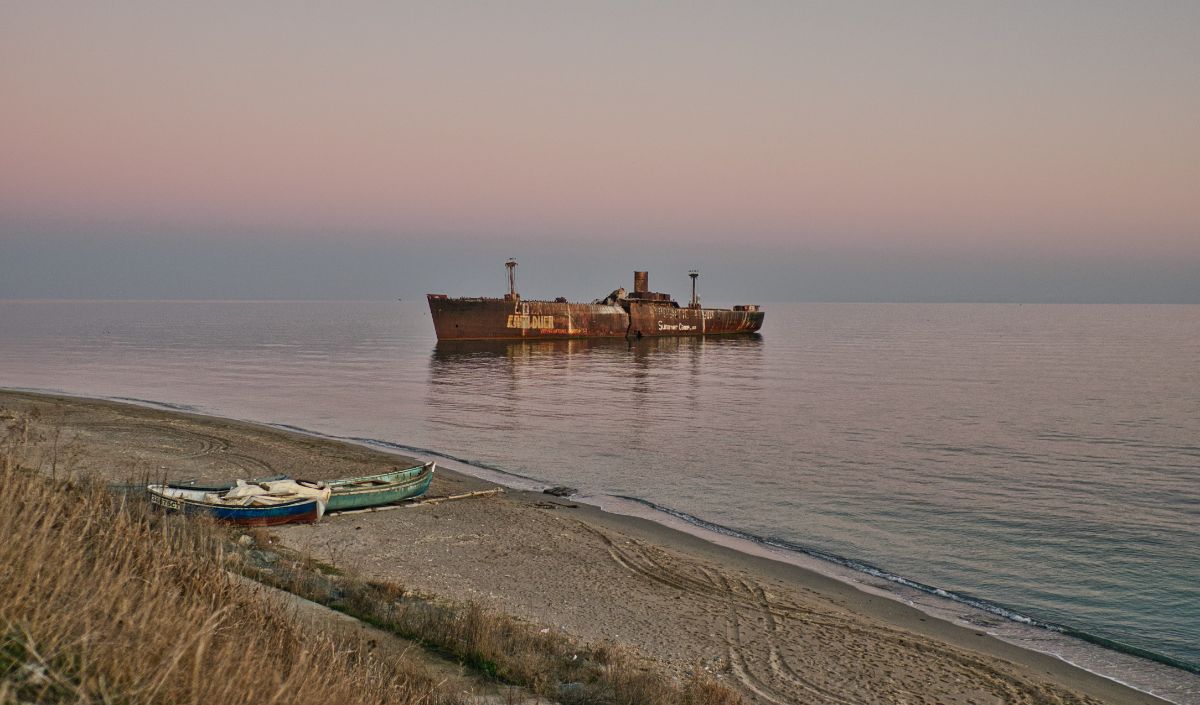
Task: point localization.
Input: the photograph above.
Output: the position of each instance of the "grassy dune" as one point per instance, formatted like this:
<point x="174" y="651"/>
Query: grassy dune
<point x="102" y="602"/>
<point x="105" y="601"/>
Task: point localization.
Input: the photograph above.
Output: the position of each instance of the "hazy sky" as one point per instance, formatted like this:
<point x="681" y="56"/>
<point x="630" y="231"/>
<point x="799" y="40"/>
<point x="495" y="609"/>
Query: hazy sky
<point x="976" y="151"/>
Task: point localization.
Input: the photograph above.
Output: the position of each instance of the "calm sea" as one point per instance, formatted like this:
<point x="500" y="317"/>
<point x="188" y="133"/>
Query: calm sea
<point x="1039" y="463"/>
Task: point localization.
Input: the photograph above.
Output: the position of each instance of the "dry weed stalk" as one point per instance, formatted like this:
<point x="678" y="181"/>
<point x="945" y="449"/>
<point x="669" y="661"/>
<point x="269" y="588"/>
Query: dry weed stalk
<point x="102" y="602"/>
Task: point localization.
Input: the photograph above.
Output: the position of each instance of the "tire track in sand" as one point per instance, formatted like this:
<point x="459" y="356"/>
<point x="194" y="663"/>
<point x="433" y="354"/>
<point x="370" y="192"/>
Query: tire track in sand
<point x="919" y="669"/>
<point x="778" y="688"/>
<point x="182" y="444"/>
<point x="779" y="666"/>
<point x="737" y="650"/>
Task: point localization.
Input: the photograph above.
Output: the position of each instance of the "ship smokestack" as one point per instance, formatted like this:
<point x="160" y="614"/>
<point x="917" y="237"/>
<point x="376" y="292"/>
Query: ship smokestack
<point x="512" y="295"/>
<point x="641" y="282"/>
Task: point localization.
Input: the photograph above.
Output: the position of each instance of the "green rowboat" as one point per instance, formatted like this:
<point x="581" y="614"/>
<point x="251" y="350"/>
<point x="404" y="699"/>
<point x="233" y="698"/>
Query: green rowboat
<point x="374" y="490"/>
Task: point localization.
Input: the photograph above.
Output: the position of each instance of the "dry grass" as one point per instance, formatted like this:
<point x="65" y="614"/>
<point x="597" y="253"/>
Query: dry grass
<point x="546" y="662"/>
<point x="101" y="602"/>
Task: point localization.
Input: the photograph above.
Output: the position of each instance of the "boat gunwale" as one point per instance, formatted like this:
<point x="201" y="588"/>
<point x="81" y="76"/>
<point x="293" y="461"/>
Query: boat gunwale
<point x="382" y="489"/>
<point x="416" y="470"/>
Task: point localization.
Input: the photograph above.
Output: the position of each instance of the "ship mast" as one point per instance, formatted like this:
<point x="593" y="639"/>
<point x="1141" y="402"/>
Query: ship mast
<point x="694" y="275"/>
<point x="511" y="265"/>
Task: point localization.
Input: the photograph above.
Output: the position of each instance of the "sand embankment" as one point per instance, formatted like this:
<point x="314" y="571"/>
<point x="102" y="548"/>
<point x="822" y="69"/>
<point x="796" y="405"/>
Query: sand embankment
<point x="779" y="633"/>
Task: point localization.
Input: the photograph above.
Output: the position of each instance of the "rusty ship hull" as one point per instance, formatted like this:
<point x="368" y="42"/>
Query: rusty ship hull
<point x="499" y="319"/>
<point x="637" y="315"/>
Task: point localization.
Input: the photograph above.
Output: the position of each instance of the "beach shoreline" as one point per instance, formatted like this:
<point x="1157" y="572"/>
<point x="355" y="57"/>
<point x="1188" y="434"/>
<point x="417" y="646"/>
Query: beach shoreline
<point x="618" y="563"/>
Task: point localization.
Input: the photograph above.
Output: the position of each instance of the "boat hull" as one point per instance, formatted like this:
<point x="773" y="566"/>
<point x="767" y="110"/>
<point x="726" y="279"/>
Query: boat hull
<point x="300" y="511"/>
<point x="502" y="319"/>
<point x="374" y="491"/>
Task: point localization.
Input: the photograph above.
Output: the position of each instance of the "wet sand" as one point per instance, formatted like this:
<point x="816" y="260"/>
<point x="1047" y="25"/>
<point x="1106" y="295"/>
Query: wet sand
<point x="779" y="633"/>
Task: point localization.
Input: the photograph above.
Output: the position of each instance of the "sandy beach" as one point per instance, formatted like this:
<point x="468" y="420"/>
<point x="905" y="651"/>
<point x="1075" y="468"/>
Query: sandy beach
<point x="778" y="633"/>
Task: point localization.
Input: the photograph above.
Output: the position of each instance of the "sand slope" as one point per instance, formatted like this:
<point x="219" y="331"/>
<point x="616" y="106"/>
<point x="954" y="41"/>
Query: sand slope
<point x="779" y="633"/>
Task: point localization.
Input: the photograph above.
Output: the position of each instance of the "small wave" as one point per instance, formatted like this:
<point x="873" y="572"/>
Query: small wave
<point x="134" y="400"/>
<point x="959" y="597"/>
<point x="162" y="404"/>
<point x="414" y="450"/>
<point x="440" y="454"/>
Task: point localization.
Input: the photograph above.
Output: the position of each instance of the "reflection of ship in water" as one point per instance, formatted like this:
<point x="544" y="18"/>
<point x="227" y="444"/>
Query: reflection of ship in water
<point x="638" y="314"/>
<point x="541" y="394"/>
<point x="452" y="351"/>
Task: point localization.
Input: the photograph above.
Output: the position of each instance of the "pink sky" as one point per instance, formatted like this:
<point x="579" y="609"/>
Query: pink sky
<point x="1055" y="126"/>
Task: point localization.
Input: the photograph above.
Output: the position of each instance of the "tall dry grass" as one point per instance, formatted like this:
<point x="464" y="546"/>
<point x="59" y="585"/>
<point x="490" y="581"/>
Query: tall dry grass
<point x="101" y="602"/>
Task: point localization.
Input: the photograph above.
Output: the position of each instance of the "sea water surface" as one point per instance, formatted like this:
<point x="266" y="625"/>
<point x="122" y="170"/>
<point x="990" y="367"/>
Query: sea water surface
<point x="1041" y="462"/>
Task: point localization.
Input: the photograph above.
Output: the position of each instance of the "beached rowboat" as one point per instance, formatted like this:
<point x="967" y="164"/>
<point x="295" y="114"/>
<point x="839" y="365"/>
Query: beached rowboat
<point x="384" y="488"/>
<point x="266" y="504"/>
<point x="345" y="493"/>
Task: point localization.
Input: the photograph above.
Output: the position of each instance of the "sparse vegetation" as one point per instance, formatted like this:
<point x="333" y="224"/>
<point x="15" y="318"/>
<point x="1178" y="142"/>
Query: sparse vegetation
<point x="546" y="662"/>
<point x="102" y="601"/>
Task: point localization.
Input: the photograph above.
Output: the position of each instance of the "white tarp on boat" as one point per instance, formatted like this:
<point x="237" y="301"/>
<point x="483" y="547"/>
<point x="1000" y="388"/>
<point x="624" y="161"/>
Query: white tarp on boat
<point x="257" y="494"/>
<point x="265" y="494"/>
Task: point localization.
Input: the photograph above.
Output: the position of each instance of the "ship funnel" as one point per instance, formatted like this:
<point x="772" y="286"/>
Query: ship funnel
<point x="512" y="295"/>
<point x="641" y="282"/>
